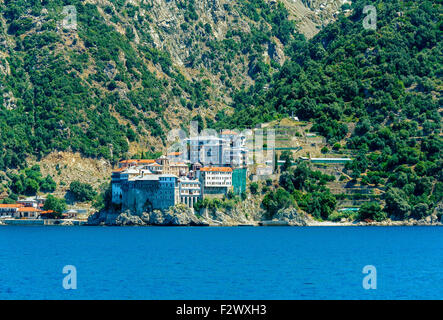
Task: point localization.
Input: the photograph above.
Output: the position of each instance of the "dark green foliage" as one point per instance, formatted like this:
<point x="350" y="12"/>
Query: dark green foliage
<point x="288" y="158"/>
<point x="396" y="204"/>
<point x="30" y="181"/>
<point x="276" y="200"/>
<point x="304" y="179"/>
<point x="253" y="187"/>
<point x="103" y="199"/>
<point x="371" y="211"/>
<point x="82" y="191"/>
<point x="55" y="204"/>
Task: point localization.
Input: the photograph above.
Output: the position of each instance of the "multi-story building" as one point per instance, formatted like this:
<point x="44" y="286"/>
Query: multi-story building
<point x="227" y="150"/>
<point x="148" y="192"/>
<point x="27" y="213"/>
<point x="18" y="211"/>
<point x="215" y="181"/>
<point x="161" y="165"/>
<point x="189" y="191"/>
<point x="142" y="185"/>
<point x="9" y="210"/>
<point x="207" y="150"/>
<point x="118" y="177"/>
<point x="176" y="168"/>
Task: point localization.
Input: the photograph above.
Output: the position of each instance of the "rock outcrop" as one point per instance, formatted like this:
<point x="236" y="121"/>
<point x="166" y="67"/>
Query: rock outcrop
<point x="293" y="217"/>
<point x="127" y="219"/>
<point x="178" y="215"/>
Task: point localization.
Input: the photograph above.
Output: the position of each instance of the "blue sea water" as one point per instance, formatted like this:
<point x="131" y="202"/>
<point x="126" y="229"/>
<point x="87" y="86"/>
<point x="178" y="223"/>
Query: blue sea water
<point x="221" y="262"/>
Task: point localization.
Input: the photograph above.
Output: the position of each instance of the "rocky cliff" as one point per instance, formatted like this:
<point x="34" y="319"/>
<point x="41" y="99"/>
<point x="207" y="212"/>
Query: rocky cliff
<point x="114" y="83"/>
<point x="247" y="212"/>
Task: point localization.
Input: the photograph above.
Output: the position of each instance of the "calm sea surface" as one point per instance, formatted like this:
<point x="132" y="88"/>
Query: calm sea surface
<point x="221" y="263"/>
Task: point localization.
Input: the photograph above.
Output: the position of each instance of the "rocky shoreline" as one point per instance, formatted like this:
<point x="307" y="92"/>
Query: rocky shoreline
<point x="181" y="215"/>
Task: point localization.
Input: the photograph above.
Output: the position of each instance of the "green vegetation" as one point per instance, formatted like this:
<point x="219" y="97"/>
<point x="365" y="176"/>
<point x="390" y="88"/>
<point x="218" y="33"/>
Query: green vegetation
<point x="371" y="211"/>
<point x="82" y="191"/>
<point x="29" y="181"/>
<point x="103" y="198"/>
<point x="304" y="188"/>
<point x="55" y="204"/>
<point x="387" y="81"/>
<point x="98" y="94"/>
<point x="253" y="188"/>
<point x="276" y="200"/>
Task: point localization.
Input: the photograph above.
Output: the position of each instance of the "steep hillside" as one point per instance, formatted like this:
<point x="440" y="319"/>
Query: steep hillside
<point x="388" y="81"/>
<point x="129" y="71"/>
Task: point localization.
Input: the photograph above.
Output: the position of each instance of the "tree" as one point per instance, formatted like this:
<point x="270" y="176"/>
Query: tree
<point x="48" y="184"/>
<point x="288" y="158"/>
<point x="321" y="204"/>
<point x="55" y="204"/>
<point x="104" y="198"/>
<point x="276" y="200"/>
<point x="371" y="211"/>
<point x="253" y="187"/>
<point x="420" y="211"/>
<point x="336" y="146"/>
<point x="31" y="186"/>
<point x="396" y="204"/>
<point x="82" y="191"/>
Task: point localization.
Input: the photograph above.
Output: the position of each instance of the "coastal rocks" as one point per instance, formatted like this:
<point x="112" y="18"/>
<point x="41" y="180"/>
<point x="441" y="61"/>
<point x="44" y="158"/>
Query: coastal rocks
<point x="220" y="217"/>
<point x="178" y="215"/>
<point x="245" y="212"/>
<point x="429" y="220"/>
<point x="291" y="216"/>
<point x="126" y="219"/>
<point x="97" y="218"/>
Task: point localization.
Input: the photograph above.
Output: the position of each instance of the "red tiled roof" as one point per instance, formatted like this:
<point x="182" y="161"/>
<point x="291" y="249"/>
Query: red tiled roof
<point x="229" y="132"/>
<point x="14" y="205"/>
<point x="138" y="161"/>
<point x="28" y="209"/>
<point x="155" y="165"/>
<point x="217" y="169"/>
<point x="47" y="211"/>
<point x="145" y="161"/>
<point x="129" y="161"/>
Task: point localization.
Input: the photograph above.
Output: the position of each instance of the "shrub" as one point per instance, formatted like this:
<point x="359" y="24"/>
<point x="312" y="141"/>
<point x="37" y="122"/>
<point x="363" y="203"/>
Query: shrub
<point x="371" y="211"/>
<point x="82" y="191"/>
<point x="253" y="187"/>
<point x="55" y="204"/>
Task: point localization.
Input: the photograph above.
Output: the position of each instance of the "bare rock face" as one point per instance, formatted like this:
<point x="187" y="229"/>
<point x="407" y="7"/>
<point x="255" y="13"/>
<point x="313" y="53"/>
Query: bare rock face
<point x="127" y="219"/>
<point x="96" y="218"/>
<point x="276" y="53"/>
<point x="178" y="215"/>
<point x="291" y="216"/>
<point x="438" y="211"/>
